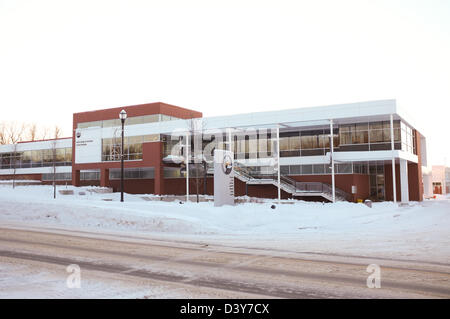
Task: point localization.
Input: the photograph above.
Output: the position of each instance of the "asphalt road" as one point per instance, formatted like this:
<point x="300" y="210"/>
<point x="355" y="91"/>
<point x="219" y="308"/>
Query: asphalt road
<point x="206" y="270"/>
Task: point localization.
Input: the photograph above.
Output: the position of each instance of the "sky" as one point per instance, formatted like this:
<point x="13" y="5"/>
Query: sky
<point x="225" y="57"/>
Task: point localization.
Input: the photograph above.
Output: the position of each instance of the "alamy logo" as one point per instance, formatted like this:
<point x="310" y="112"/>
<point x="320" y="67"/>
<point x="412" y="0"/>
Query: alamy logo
<point x="74" y="279"/>
<point x="374" y="280"/>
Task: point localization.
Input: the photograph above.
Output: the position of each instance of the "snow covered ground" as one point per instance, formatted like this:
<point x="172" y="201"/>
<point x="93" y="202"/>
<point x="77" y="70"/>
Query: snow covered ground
<point x="418" y="232"/>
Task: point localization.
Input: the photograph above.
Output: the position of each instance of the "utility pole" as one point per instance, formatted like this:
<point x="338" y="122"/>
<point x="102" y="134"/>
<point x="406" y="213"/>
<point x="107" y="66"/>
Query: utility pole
<point x="123" y="117"/>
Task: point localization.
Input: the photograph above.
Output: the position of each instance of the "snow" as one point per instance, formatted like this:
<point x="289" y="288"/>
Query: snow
<point x="19" y="281"/>
<point x="418" y="232"/>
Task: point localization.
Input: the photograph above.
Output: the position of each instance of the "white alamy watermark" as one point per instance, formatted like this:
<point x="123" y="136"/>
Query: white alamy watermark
<point x="374" y="279"/>
<point x="74" y="279"/>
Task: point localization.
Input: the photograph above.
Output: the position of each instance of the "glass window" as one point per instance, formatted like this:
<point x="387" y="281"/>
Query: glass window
<point x="376" y="136"/>
<point x="134" y="120"/>
<point x="307" y="169"/>
<point x="345" y="138"/>
<point x="324" y="141"/>
<point x="360" y="137"/>
<point x="345" y="128"/>
<point x="60" y="154"/>
<point x="253" y="146"/>
<point x="294" y="142"/>
<point x="284" y="143"/>
<point x="134" y="139"/>
<point x="376" y="125"/>
<point x="361" y="126"/>
<point x="165" y="117"/>
<point x="344" y="168"/>
<point x="387" y="135"/>
<point x="284" y="169"/>
<point x="111" y="123"/>
<point x="68" y="154"/>
<point x="318" y="169"/>
<point x="150" y="118"/>
<point x="151" y="138"/>
<point x="90" y="124"/>
<point x="294" y="169"/>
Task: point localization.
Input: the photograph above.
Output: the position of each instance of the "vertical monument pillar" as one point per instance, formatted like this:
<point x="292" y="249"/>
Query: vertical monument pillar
<point x="223" y="178"/>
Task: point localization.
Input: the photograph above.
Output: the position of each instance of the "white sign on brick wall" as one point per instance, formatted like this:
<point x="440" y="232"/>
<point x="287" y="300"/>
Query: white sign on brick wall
<point x="88" y="145"/>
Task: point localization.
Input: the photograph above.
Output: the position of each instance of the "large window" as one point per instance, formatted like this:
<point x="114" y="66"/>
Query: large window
<point x="408" y="139"/>
<point x="132" y="173"/>
<point x="376" y="180"/>
<point x="58" y="176"/>
<point x="307" y="143"/>
<point x="132" y="148"/>
<point x="36" y="158"/>
<point x="90" y="175"/>
<point x="130" y="121"/>
<point x="320" y="169"/>
<point x="370" y="136"/>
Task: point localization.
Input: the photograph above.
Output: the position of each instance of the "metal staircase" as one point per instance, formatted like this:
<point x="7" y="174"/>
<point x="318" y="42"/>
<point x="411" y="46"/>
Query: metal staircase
<point x="289" y="185"/>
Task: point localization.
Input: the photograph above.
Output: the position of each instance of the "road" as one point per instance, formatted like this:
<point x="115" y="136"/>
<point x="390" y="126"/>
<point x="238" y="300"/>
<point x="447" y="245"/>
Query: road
<point x="203" y="270"/>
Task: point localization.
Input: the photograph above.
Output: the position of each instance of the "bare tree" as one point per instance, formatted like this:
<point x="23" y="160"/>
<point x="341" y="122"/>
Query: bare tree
<point x="56" y="135"/>
<point x="45" y="133"/>
<point x="32" y="132"/>
<point x="3" y="134"/>
<point x="196" y="127"/>
<point x="14" y="133"/>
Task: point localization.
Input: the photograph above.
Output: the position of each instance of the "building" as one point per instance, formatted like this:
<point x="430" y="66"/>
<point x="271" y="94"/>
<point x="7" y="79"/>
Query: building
<point x="369" y="143"/>
<point x="441" y="179"/>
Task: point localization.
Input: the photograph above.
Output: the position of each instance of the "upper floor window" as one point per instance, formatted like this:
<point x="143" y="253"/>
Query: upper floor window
<point x="132" y="120"/>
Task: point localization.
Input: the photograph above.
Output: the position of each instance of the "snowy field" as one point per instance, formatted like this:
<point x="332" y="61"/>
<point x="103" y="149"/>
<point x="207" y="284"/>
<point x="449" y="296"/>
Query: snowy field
<point x="418" y="232"/>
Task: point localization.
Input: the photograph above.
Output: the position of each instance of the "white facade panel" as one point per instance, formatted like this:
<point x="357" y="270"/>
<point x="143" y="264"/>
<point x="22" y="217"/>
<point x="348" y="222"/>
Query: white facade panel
<point x="88" y="145"/>
<point x="40" y="145"/>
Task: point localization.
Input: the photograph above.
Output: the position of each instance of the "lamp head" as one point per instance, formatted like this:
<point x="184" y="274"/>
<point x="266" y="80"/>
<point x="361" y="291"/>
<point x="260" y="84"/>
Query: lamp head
<point x="123" y="115"/>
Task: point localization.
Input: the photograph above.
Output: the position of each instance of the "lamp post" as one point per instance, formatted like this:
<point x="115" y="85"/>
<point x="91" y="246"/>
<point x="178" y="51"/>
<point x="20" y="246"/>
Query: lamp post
<point x="123" y="117"/>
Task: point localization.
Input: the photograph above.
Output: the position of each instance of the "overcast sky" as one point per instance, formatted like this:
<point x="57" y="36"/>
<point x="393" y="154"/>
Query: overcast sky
<point x="225" y="57"/>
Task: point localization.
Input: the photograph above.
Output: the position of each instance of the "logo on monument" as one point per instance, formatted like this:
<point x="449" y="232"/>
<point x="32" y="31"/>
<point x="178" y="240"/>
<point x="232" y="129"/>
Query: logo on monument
<point x="227" y="164"/>
<point x="78" y="134"/>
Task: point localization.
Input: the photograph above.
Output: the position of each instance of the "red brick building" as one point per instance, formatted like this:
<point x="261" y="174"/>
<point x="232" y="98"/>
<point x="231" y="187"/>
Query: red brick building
<point x="365" y="142"/>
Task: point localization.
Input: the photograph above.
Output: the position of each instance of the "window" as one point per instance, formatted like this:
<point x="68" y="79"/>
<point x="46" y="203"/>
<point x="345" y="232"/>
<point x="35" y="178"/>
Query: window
<point x="132" y="148"/>
<point x="372" y="136"/>
<point x="131" y="120"/>
<point x="90" y="175"/>
<point x="133" y="173"/>
<point x="294" y="143"/>
<point x="58" y="176"/>
<point x="36" y="158"/>
<point x="318" y="169"/>
<point x="172" y="172"/>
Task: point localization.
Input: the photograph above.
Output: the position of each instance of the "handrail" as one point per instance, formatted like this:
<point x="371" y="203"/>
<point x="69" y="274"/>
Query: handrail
<point x="292" y="185"/>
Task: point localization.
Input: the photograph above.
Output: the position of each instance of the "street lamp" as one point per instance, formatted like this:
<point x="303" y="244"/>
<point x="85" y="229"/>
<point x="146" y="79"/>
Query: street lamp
<point x="123" y="117"/>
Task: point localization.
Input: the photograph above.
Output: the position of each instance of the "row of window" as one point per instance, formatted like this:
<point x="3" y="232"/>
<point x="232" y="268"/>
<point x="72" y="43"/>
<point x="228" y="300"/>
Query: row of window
<point x="58" y="176"/>
<point x="152" y="118"/>
<point x="85" y="175"/>
<point x="132" y="173"/>
<point x="176" y="172"/>
<point x="368" y="136"/>
<point x="318" y="169"/>
<point x="36" y="158"/>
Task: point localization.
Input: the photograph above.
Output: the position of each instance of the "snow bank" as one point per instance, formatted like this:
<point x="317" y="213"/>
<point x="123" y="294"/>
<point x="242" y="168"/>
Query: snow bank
<point x="419" y="231"/>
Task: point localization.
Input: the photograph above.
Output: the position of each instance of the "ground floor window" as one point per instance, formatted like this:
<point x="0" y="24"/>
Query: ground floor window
<point x="376" y="179"/>
<point x="132" y="173"/>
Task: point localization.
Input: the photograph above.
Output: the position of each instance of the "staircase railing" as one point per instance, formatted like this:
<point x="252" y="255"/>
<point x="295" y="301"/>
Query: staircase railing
<point x="292" y="185"/>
